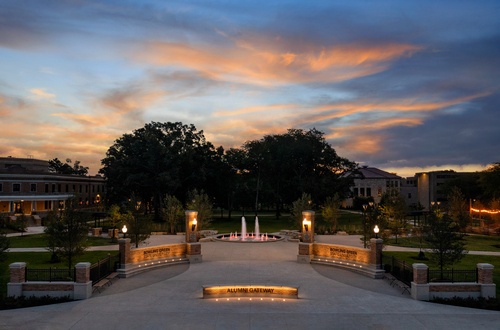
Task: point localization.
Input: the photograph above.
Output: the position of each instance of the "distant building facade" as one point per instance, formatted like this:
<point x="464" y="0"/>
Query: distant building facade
<point x="372" y="182"/>
<point x="28" y="187"/>
<point x="430" y="186"/>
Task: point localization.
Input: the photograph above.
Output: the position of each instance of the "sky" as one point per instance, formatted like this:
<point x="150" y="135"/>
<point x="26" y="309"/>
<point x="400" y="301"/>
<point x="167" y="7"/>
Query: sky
<point x="405" y="86"/>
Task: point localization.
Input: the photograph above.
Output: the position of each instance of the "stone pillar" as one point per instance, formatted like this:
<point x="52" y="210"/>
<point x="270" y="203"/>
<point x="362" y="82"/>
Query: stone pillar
<point x="17" y="278"/>
<point x="376" y="252"/>
<point x="485" y="278"/>
<point x="308" y="226"/>
<point x="83" y="285"/>
<point x="305" y="253"/>
<point x="124" y="247"/>
<point x="420" y="285"/>
<point x="191" y="235"/>
<point x="97" y="231"/>
<point x="193" y="252"/>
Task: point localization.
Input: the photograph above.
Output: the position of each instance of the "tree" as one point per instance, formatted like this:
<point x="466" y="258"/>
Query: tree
<point x="393" y="211"/>
<point x="138" y="223"/>
<point x="304" y="203"/>
<point x="200" y="202"/>
<point x="4" y="246"/>
<point x="458" y="209"/>
<point x="56" y="166"/>
<point x="444" y="239"/>
<point x="68" y="233"/>
<point x="490" y="182"/>
<point x="172" y="212"/>
<point x="156" y="160"/>
<point x="22" y="223"/>
<point x="331" y="212"/>
<point x="285" y="166"/>
<point x="115" y="218"/>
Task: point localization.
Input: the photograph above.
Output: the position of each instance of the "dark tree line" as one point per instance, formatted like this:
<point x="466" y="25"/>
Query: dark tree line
<point x="173" y="159"/>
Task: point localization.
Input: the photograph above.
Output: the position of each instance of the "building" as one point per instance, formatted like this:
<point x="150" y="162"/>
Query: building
<point x="409" y="191"/>
<point x="372" y="182"/>
<point x="430" y="186"/>
<point x="28" y="187"/>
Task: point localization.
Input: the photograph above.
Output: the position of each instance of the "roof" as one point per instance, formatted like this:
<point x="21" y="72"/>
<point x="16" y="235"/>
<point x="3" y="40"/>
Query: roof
<point x="366" y="172"/>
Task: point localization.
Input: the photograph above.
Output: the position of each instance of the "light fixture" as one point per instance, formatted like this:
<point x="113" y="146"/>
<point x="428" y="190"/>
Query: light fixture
<point x="376" y="230"/>
<point x="306" y="224"/>
<point x="193" y="226"/>
<point x="124" y="230"/>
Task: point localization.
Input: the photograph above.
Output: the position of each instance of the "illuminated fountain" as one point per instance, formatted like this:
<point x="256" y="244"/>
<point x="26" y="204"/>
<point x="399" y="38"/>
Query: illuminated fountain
<point x="245" y="237"/>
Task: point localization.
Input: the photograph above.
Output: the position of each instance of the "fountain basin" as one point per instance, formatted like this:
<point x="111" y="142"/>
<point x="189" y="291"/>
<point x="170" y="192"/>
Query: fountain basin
<point x="232" y="238"/>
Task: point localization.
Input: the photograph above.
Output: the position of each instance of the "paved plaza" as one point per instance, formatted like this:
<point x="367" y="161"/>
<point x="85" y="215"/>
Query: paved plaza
<point x="171" y="298"/>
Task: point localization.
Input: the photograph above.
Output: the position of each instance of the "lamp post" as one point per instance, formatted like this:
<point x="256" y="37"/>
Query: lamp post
<point x="376" y="231"/>
<point x="365" y="220"/>
<point x="124" y="231"/>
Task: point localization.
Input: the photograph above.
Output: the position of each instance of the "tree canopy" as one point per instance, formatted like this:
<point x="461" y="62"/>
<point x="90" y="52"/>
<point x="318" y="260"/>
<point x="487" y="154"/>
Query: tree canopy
<point x="156" y="160"/>
<point x="173" y="159"/>
<point x="56" y="166"/>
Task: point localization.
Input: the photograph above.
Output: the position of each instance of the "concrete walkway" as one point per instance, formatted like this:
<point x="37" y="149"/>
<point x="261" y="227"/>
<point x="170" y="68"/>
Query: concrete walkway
<point x="171" y="298"/>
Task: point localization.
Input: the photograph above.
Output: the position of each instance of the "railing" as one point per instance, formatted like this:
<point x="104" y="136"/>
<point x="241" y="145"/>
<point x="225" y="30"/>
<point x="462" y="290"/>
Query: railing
<point x="399" y="269"/>
<point x="50" y="274"/>
<point x="452" y="275"/>
<point x="104" y="267"/>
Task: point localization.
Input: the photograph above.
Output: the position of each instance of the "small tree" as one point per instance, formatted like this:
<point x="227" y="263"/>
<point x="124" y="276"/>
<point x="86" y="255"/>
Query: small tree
<point x="445" y="239"/>
<point x="199" y="201"/>
<point x="138" y="224"/>
<point x="393" y="211"/>
<point x="331" y="212"/>
<point x="115" y="218"/>
<point x="52" y="229"/>
<point x="68" y="234"/>
<point x="4" y="246"/>
<point x="458" y="209"/>
<point x="304" y="203"/>
<point x="22" y="223"/>
<point x="172" y="212"/>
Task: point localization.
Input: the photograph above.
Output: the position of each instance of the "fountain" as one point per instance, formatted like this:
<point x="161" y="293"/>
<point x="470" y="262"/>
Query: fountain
<point x="244" y="237"/>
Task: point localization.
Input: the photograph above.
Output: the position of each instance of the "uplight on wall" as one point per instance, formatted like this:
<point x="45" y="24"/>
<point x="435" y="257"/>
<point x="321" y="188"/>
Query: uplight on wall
<point x="306" y="224"/>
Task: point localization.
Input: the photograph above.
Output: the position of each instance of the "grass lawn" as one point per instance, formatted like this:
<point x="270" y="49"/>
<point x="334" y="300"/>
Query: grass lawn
<point x="474" y="242"/>
<point x="39" y="240"/>
<point x="468" y="262"/>
<point x="41" y="260"/>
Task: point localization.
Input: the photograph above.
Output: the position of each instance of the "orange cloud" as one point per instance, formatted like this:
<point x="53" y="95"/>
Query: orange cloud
<point x="41" y="93"/>
<point x="247" y="62"/>
<point x="253" y="109"/>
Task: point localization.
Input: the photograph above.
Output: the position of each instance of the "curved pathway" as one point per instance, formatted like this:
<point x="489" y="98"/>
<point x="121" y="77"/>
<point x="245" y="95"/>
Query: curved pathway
<point x="171" y="298"/>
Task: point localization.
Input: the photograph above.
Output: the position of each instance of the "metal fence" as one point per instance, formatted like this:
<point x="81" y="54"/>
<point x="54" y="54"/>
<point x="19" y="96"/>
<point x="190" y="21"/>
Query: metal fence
<point x="104" y="267"/>
<point x="452" y="275"/>
<point x="399" y="269"/>
<point x="50" y="274"/>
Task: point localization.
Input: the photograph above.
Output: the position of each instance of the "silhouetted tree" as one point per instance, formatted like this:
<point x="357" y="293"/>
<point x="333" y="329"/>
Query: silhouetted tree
<point x="56" y="166"/>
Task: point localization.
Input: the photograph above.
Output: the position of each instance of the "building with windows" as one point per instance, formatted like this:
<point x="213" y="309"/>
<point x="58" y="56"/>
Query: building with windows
<point x="28" y="187"/>
<point x="431" y="186"/>
<point x="372" y="182"/>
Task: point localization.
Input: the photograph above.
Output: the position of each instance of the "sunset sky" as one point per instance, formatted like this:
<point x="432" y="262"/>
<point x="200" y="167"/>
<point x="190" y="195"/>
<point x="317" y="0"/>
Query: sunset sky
<point x="405" y="86"/>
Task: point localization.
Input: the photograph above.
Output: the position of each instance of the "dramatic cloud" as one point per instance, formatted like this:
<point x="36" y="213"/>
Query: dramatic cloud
<point x="404" y="86"/>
